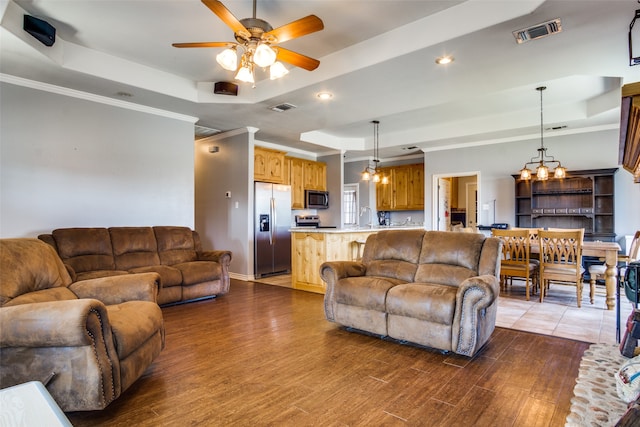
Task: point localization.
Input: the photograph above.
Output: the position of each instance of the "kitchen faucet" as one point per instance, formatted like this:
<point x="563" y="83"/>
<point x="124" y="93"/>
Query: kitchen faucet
<point x="363" y="209"/>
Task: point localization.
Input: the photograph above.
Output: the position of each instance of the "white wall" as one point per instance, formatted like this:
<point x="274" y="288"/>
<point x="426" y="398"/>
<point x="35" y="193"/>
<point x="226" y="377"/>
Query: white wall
<point x="72" y="162"/>
<point x="498" y="162"/>
<point x="226" y="223"/>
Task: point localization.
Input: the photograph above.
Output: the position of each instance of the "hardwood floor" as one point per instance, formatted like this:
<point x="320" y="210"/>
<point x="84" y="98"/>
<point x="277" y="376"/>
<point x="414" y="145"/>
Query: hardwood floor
<point x="264" y="355"/>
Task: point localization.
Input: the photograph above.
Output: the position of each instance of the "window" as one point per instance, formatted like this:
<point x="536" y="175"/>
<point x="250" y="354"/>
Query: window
<point x="350" y="204"/>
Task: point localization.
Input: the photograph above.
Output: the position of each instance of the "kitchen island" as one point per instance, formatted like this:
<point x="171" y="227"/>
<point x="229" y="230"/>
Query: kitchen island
<point x="310" y="247"/>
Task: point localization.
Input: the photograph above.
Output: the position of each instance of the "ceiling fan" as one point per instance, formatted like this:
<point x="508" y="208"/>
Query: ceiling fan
<point x="258" y="41"/>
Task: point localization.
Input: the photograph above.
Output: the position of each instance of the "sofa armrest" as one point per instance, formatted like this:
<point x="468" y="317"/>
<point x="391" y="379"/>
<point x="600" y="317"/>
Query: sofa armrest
<point x="475" y="295"/>
<point x="331" y="272"/>
<point x="68" y="323"/>
<point x="117" y="289"/>
<point x="221" y="257"/>
<point x="71" y="339"/>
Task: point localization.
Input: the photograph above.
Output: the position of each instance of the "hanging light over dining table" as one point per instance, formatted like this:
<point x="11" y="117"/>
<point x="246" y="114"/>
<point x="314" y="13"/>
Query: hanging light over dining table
<point x="542" y="160"/>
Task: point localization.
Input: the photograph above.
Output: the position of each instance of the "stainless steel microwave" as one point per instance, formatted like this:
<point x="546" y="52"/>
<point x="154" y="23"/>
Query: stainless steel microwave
<point x="315" y="199"/>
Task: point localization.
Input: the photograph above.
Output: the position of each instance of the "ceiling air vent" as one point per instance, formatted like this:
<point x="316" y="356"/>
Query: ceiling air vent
<point x="204" y="132"/>
<point x="538" y="31"/>
<point x="282" y="107"/>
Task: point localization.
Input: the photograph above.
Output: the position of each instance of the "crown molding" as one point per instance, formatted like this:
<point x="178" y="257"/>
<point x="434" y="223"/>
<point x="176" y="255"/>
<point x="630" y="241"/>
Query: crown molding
<point x="46" y="87"/>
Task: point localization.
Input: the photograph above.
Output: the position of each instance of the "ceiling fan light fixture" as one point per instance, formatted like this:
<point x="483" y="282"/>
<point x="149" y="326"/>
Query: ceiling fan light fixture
<point x="264" y="56"/>
<point x="245" y="74"/>
<point x="228" y="59"/>
<point x="277" y="70"/>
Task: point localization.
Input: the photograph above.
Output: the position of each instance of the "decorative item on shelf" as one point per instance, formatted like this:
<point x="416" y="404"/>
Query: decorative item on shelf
<point x="371" y="173"/>
<point x="634" y="56"/>
<point x="257" y="39"/>
<point x="542" y="170"/>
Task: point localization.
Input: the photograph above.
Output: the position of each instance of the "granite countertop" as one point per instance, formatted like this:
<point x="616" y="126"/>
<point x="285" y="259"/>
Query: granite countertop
<point x="353" y="229"/>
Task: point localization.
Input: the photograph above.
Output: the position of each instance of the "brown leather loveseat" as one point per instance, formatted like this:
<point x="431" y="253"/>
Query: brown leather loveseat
<point x="434" y="288"/>
<point x="88" y="341"/>
<point x="175" y="253"/>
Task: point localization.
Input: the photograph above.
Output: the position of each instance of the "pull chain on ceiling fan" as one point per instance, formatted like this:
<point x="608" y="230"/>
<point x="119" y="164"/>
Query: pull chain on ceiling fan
<point x="258" y="41"/>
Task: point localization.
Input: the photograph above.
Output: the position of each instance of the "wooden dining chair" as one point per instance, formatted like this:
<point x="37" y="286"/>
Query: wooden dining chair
<point x="516" y="262"/>
<point x="597" y="271"/>
<point x="561" y="259"/>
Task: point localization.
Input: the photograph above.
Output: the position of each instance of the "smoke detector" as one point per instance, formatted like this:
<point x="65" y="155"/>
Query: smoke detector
<point x="538" y="31"/>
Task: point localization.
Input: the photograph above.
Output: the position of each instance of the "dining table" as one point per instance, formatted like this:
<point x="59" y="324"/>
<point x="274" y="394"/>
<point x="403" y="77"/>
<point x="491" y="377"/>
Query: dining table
<point x="607" y="251"/>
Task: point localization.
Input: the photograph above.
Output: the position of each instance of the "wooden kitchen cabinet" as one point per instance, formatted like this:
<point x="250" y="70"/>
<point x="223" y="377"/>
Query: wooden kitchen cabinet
<point x="315" y="175"/>
<point x="310" y="249"/>
<point x="384" y="192"/>
<point x="405" y="190"/>
<point x="296" y="168"/>
<point x="305" y="175"/>
<point x="308" y="254"/>
<point x="269" y="165"/>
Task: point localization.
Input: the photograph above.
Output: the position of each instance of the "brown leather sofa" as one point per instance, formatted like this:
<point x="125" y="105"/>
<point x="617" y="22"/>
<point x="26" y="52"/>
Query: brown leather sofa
<point x="186" y="271"/>
<point x="434" y="288"/>
<point x="87" y="341"/>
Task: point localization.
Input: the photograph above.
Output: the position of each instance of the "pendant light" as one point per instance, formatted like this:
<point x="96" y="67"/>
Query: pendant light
<point x="371" y="173"/>
<point x="542" y="170"/>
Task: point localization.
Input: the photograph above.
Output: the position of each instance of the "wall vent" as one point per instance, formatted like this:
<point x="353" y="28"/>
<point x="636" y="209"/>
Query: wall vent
<point x="538" y="31"/>
<point x="282" y="107"/>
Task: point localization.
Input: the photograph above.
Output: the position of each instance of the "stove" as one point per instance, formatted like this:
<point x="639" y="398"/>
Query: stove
<point x="307" y="221"/>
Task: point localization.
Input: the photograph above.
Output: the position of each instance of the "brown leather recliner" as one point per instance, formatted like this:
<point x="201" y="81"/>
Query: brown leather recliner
<point x="434" y="288"/>
<point x="96" y="336"/>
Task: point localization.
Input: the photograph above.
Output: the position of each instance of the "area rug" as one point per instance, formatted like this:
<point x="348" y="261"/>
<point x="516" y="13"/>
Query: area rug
<point x="595" y="401"/>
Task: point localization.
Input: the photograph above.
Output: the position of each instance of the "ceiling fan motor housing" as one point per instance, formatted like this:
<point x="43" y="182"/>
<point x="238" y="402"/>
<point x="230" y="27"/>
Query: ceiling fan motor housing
<point x="257" y="27"/>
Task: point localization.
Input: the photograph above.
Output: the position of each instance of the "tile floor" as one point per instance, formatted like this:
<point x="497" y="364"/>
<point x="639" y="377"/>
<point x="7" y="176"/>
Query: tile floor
<point x="558" y="315"/>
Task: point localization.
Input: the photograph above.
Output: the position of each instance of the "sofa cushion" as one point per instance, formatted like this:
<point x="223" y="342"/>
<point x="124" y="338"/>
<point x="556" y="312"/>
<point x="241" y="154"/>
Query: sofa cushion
<point x="132" y="323"/>
<point x="43" y="295"/>
<point x="393" y="253"/>
<point x="96" y="274"/>
<point x="175" y="244"/>
<point x="85" y="249"/>
<point x="199" y="271"/>
<point x="169" y="276"/>
<point x="425" y="301"/>
<point x="29" y="265"/>
<point x="365" y="291"/>
<point x="449" y="258"/>
<point x="134" y="247"/>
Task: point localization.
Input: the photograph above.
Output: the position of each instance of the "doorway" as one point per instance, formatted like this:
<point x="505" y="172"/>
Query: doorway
<point x="455" y="200"/>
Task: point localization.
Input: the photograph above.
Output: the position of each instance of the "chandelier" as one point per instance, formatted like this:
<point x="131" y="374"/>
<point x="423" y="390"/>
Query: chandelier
<point x="542" y="160"/>
<point x="256" y="53"/>
<point x="371" y="173"/>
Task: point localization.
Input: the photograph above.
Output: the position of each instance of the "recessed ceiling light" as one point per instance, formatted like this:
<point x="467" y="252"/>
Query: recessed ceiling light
<point x="442" y="60"/>
<point x="324" y="95"/>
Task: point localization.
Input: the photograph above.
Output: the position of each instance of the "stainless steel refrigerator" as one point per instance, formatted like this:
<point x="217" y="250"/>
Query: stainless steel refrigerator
<point x="272" y="222"/>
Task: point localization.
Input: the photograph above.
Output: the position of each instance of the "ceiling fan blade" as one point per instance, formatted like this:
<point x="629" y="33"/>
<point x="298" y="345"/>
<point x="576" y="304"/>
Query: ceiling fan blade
<point x="301" y="27"/>
<point x="204" y="44"/>
<point x="227" y="17"/>
<point x="297" y="59"/>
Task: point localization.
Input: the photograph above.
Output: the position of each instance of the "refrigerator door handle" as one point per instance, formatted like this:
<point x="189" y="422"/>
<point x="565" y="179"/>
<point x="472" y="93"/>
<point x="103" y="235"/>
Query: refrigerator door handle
<point x="274" y="221"/>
